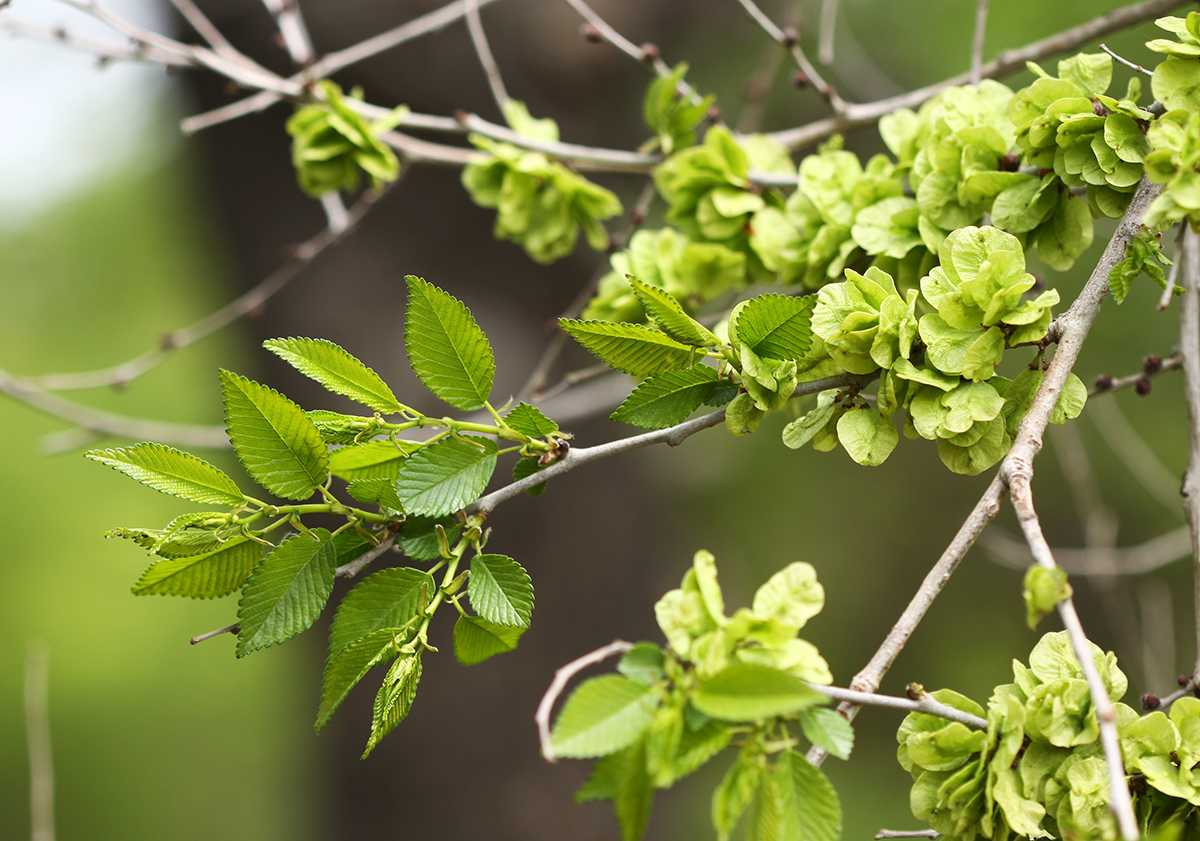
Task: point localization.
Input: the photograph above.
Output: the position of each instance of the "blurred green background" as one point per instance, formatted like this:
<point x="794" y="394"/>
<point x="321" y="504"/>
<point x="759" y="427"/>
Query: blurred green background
<point x="154" y="739"/>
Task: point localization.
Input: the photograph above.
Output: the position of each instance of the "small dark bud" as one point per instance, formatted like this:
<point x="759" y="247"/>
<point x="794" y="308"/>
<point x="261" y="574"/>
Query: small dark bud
<point x="289" y="252"/>
<point x="1153" y="364"/>
<point x="1039" y="282"/>
<point x="790" y="36"/>
<point x="461" y="116"/>
<point x="60" y="33"/>
<point x="1137" y="784"/>
<point x="800" y="79"/>
<point x="166" y="341"/>
<point x="1150" y="702"/>
<point x="638" y="217"/>
<point x="1103" y="382"/>
<point x="1175" y="759"/>
<point x="105" y="60"/>
<point x="591" y="34"/>
<point x="1098" y="109"/>
<point x="827" y="93"/>
<point x="120" y="385"/>
<point x="277" y="40"/>
<point x="650" y="53"/>
<point x="713" y="115"/>
<point x="1182" y="680"/>
<point x="255" y="311"/>
<point x="915" y="691"/>
<point x="1010" y="163"/>
<point x="1143" y="386"/>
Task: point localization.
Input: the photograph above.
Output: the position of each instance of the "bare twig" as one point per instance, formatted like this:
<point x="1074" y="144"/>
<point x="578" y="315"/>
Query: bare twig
<point x="1136" y="67"/>
<point x="228" y="629"/>
<point x="606" y="31"/>
<point x="1137" y="455"/>
<point x="1168" y="292"/>
<point x="1126" y="560"/>
<point x="790" y="42"/>
<point x="102" y="50"/>
<point x="251" y="301"/>
<point x="360" y="563"/>
<point x="484" y="52"/>
<point x="205" y="29"/>
<point x="907" y="833"/>
<point x="1010" y="61"/>
<point x="37" y="734"/>
<point x="291" y="26"/>
<point x="561" y="678"/>
<point x="923" y="704"/>
<point x="828" y="28"/>
<point x="981" y="13"/>
<point x="1167" y="363"/>
<point x="1189" y="346"/>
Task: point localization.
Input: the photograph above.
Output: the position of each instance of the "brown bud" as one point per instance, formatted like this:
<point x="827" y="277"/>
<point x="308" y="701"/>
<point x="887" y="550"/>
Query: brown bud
<point x="1098" y="109"/>
<point x="1182" y="680"/>
<point x="1153" y="364"/>
<point x="166" y="341"/>
<point x="914" y="691"/>
<point x="1143" y="386"/>
<point x="277" y="40"/>
<point x="1103" y="382"/>
<point x="1150" y="702"/>
<point x="591" y="34"/>
<point x="650" y="53"/>
<point x="790" y="36"/>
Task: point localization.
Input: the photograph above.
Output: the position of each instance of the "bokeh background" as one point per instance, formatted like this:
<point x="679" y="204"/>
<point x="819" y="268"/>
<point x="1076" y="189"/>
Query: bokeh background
<point x="114" y="229"/>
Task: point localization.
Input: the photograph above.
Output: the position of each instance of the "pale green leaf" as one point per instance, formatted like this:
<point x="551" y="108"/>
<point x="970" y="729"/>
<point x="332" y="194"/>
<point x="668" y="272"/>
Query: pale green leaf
<point x="734" y="793"/>
<point x="622" y="778"/>
<point x="631" y="348"/>
<point x="380" y="492"/>
<point x="867" y="436"/>
<point x="371" y="459"/>
<point x="818" y="809"/>
<point x="670" y="316"/>
<point x="1043" y="589"/>
<point x="529" y="420"/>
<point x="776" y="326"/>
<point x="602" y="716"/>
<point x="475" y="639"/>
<point x="395" y="698"/>
<point x="288" y="590"/>
<point x="386" y="599"/>
<point x="750" y="691"/>
<point x="276" y="442"/>
<point x="172" y="472"/>
<point x="643" y="663"/>
<point x="825" y="728"/>
<point x="446" y="348"/>
<point x="346" y="668"/>
<point x="207" y="576"/>
<point x="667" y="399"/>
<point x="337" y="370"/>
<point x="446" y="475"/>
<point x="791" y="596"/>
<point x="500" y="591"/>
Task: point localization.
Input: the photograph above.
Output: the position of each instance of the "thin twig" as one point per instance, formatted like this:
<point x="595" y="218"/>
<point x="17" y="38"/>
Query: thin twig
<point x="924" y="704"/>
<point x="37" y="734"/>
<point x="828" y="28"/>
<point x="907" y="833"/>
<point x="484" y="52"/>
<point x="228" y="629"/>
<point x="103" y="51"/>
<point x="1189" y="346"/>
<point x="360" y="563"/>
<point x="1010" y="61"/>
<point x="1136" y="67"/>
<point x="291" y="26"/>
<point x="1126" y="560"/>
<point x="790" y="42"/>
<point x="1167" y="363"/>
<point x="205" y="29"/>
<point x="606" y="31"/>
<point x="562" y="676"/>
<point x="981" y="13"/>
<point x="251" y="301"/>
<point x="672" y="437"/>
<point x="1136" y="454"/>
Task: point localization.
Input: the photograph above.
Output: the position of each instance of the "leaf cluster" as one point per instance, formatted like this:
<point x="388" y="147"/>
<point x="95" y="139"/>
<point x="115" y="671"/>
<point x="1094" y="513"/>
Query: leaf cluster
<point x="741" y="680"/>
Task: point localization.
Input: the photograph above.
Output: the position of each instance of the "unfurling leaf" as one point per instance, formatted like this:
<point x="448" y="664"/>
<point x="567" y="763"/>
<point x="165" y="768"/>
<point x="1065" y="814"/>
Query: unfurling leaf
<point x="350" y="665"/>
<point x="1044" y="589"/>
<point x="395" y="698"/>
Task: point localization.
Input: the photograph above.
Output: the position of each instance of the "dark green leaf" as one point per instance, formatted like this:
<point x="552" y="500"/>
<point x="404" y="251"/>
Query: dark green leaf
<point x="446" y="348"/>
<point x="643" y="663"/>
<point x="172" y="472"/>
<point x="279" y="446"/>
<point x="475" y="639"/>
<point x="207" y="576"/>
<point x="418" y="539"/>
<point x="337" y="370"/>
<point x="735" y="792"/>
<point x="621" y="777"/>
<point x="287" y="591"/>
<point x="527" y="467"/>
<point x="380" y="492"/>
<point x="668" y="398"/>
<point x="500" y="591"/>
<point x="446" y="475"/>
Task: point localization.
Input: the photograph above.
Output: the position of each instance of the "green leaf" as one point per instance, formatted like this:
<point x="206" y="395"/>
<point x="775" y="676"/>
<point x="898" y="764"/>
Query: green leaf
<point x="418" y="536"/>
<point x="643" y="663"/>
<point x="288" y="590"/>
<point x="475" y="639"/>
<point x="749" y="691"/>
<point x="735" y="792"/>
<point x="667" y="399"/>
<point x="381" y="492"/>
<point x="337" y="370"/>
<point x="602" y="716"/>
<point x="172" y="472"/>
<point x="525" y="467"/>
<point x="816" y="802"/>
<point x="386" y="599"/>
<point x="279" y="446"/>
<point x="395" y="698"/>
<point x="446" y="348"/>
<point x="776" y="326"/>
<point x="791" y="596"/>
<point x="207" y="576"/>
<point x="446" y="475"/>
<point x="631" y="348"/>
<point x="371" y="460"/>
<point x="350" y="665"/>
<point x="1043" y="590"/>
<point x="670" y="316"/>
<point x="825" y="728"/>
<point x="500" y="591"/>
<point x="529" y="420"/>
<point x="622" y="778"/>
<point x="867" y="436"/>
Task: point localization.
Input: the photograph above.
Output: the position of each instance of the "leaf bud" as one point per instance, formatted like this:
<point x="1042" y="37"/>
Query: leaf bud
<point x="790" y="37"/>
<point x="1182" y="680"/>
<point x="650" y="53"/>
<point x="915" y="691"/>
<point x="800" y="79"/>
<point x="591" y="34"/>
<point x="1143" y="386"/>
<point x="1153" y="364"/>
<point x="1150" y="702"/>
<point x="1103" y="382"/>
<point x="1098" y="108"/>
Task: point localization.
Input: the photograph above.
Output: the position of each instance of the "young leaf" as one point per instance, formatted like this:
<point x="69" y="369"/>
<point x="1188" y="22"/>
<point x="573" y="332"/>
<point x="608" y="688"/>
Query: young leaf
<point x="446" y="348"/>
<point x="446" y="475"/>
<point x="527" y="467"/>
<point x="643" y="663"/>
<point x="776" y="326"/>
<point x="500" y="591"/>
<point x="279" y="446"/>
<point x="749" y="691"/>
<point x="529" y="420"/>
<point x="735" y="792"/>
<point x="395" y="698"/>
<point x="346" y="668"/>
<point x="826" y="729"/>
<point x="622" y="778"/>
<point x="207" y="576"/>
<point x="667" y="399"/>
<point x="371" y="460"/>
<point x="602" y="716"/>
<point x="669" y="315"/>
<point x="375" y="492"/>
<point x="337" y="370"/>
<point x="631" y="348"/>
<point x="418" y="538"/>
<point x="818" y="811"/>
<point x="172" y="472"/>
<point x="387" y="599"/>
<point x="287" y="591"/>
<point x="475" y="639"/>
